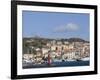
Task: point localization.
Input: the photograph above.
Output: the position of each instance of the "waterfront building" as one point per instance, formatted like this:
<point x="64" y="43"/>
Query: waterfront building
<point x="28" y="56"/>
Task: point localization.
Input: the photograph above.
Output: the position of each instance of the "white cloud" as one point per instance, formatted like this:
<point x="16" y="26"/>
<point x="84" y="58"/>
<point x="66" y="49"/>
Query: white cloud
<point x="68" y="27"/>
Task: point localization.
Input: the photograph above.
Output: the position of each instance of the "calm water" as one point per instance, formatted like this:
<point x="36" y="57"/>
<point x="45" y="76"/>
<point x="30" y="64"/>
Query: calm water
<point x="57" y="64"/>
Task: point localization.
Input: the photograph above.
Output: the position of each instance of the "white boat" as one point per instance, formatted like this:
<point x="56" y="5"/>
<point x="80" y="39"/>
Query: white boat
<point x="85" y="59"/>
<point x="27" y="61"/>
<point x="56" y="60"/>
<point x="70" y="60"/>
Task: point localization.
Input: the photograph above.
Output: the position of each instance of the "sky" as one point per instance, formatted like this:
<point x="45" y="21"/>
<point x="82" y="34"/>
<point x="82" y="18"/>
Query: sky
<point x="55" y="25"/>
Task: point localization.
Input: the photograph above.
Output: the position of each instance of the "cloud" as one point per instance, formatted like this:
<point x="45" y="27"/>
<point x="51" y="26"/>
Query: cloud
<point x="68" y="27"/>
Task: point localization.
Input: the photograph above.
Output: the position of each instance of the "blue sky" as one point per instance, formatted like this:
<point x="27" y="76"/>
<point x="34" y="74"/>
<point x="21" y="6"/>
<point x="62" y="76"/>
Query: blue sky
<point x="55" y="25"/>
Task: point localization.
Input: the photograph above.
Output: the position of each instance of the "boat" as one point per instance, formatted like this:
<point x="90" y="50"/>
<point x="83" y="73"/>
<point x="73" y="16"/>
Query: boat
<point x="70" y="60"/>
<point x="57" y="60"/>
<point x="85" y="59"/>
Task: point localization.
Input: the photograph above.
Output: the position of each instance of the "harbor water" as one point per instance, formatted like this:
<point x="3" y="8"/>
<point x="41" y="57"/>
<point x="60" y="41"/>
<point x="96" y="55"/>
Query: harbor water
<point x="56" y="64"/>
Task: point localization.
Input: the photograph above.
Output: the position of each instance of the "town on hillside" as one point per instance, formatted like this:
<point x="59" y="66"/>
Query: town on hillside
<point x="46" y="51"/>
